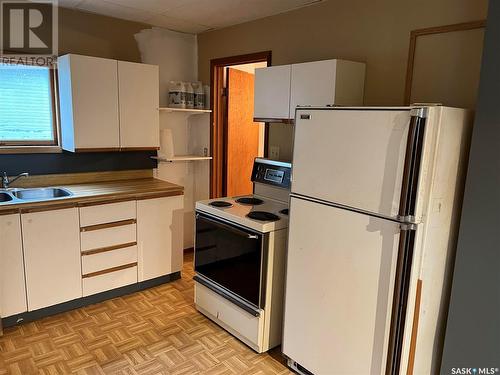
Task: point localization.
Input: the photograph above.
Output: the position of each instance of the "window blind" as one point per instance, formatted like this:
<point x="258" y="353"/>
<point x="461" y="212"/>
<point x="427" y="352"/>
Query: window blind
<point x="26" y="111"/>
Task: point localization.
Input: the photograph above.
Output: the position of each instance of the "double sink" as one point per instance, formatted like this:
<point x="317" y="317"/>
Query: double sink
<point x="33" y="194"/>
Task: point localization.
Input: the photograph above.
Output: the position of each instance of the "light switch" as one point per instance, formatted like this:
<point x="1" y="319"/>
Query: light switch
<point x="274" y="152"/>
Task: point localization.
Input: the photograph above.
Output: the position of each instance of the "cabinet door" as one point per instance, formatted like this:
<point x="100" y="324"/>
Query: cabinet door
<point x="312" y="83"/>
<point x="139" y="102"/>
<point x="272" y="92"/>
<point x="88" y="94"/>
<point x="160" y="236"/>
<point x="52" y="256"/>
<point x="12" y="286"/>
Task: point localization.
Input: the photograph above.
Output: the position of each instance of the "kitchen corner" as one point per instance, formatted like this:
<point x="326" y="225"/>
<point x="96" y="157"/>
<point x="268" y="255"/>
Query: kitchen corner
<point x="111" y="234"/>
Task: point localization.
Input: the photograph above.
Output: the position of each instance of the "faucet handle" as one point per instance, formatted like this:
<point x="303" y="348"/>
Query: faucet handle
<point x="4" y="180"/>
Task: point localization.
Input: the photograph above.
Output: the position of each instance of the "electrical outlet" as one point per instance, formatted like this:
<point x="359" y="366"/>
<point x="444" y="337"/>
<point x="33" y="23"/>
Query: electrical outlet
<point x="274" y="152"/>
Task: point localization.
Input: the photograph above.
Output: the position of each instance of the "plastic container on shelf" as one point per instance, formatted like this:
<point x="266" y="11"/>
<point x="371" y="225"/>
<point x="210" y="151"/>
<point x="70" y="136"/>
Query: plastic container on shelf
<point x="176" y="95"/>
<point x="199" y="95"/>
<point x="206" y="90"/>
<point x="189" y="95"/>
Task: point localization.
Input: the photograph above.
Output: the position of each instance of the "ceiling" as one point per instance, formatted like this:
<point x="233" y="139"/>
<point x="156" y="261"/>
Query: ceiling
<point x="189" y="16"/>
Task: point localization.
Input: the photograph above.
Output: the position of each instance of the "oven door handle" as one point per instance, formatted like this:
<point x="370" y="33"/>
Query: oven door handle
<point x="251" y="310"/>
<point x="230" y="228"/>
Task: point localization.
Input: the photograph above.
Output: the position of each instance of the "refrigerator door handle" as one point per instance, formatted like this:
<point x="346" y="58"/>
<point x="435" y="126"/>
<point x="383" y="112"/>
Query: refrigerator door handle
<point x="411" y="173"/>
<point x="400" y="299"/>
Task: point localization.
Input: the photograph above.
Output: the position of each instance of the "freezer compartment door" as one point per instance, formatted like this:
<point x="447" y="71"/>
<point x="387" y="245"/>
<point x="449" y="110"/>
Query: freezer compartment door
<point x="352" y="157"/>
<point x="339" y="289"/>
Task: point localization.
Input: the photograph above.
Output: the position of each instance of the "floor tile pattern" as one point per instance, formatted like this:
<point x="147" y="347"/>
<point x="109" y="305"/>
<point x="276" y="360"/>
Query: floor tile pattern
<point x="157" y="331"/>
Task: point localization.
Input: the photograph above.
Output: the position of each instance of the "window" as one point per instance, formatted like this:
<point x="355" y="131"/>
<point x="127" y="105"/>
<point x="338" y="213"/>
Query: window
<point x="27" y="116"/>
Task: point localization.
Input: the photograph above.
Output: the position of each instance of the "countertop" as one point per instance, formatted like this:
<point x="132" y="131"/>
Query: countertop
<point x="88" y="194"/>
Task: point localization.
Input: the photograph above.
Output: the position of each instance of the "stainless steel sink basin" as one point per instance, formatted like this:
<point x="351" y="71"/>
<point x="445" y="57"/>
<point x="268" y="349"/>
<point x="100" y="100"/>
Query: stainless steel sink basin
<point x="4" y="197"/>
<point x="41" y="193"/>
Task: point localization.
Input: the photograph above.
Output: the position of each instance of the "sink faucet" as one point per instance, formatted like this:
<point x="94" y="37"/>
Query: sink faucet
<point x="6" y="182"/>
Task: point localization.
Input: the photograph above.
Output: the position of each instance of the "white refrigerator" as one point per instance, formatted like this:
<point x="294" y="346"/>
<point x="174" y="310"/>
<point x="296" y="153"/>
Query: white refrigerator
<point x="374" y="213"/>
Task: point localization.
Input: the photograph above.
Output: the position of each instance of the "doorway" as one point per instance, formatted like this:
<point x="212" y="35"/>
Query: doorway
<point x="236" y="140"/>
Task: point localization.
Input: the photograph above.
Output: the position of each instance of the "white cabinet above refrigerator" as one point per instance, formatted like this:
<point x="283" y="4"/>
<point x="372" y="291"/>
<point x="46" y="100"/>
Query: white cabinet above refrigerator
<point x="272" y="92"/>
<point x="280" y="89"/>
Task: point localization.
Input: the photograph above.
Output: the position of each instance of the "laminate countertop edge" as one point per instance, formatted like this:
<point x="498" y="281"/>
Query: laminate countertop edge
<point x="89" y="194"/>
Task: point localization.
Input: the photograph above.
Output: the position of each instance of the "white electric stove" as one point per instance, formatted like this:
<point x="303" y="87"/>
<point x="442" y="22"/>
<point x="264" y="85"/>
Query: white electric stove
<point x="240" y="257"/>
<point x="238" y="212"/>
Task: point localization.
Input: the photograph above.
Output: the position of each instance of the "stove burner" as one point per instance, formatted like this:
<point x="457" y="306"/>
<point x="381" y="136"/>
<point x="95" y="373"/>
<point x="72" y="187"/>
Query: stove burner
<point x="263" y="216"/>
<point x="220" y="204"/>
<point x="284" y="211"/>
<point x="250" y="201"/>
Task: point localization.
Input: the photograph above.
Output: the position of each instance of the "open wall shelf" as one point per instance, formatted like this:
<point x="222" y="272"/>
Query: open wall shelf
<point x="181" y="158"/>
<point x="184" y="110"/>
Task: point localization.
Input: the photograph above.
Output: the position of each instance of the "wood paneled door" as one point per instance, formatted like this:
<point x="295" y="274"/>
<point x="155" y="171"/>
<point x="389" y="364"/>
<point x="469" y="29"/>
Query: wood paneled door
<point x="235" y="140"/>
<point x="242" y="133"/>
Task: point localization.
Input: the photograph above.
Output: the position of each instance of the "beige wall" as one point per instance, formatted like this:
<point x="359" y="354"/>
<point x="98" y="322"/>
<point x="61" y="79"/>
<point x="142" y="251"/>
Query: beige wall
<point x="96" y="35"/>
<point x="375" y="32"/>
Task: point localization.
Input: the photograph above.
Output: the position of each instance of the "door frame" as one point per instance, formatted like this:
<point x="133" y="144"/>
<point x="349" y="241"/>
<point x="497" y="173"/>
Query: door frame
<point x="217" y="128"/>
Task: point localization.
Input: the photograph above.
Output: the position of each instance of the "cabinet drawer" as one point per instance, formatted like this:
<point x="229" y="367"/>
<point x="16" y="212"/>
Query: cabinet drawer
<point x="108" y="259"/>
<point x="101" y="238"/>
<point x="242" y="322"/>
<point x="110" y="280"/>
<point x="107" y="213"/>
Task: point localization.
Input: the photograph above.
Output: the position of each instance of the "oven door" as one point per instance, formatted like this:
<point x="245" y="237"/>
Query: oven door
<point x="229" y="256"/>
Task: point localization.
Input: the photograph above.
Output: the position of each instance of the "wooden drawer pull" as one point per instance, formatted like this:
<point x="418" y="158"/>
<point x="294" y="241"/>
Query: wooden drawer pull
<point x="109" y="270"/>
<point x="108" y="248"/>
<point x="108" y="225"/>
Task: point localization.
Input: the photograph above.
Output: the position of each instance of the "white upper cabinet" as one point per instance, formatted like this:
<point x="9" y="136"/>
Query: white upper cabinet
<point x="108" y="104"/>
<point x="272" y="92"/>
<point x="12" y="286"/>
<point x="139" y="101"/>
<point x="88" y="97"/>
<point x="317" y="83"/>
<point x="321" y="83"/>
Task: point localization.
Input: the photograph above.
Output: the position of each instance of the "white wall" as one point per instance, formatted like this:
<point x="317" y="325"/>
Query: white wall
<point x="176" y="55"/>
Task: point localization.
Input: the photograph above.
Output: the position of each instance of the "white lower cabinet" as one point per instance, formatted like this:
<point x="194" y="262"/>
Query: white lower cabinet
<point x="106" y="237"/>
<point x="108" y="242"/>
<point x="110" y="280"/>
<point x="51" y="242"/>
<point x="96" y="262"/>
<point x="107" y="213"/>
<point x="51" y="257"/>
<point x="12" y="286"/>
<point x="159" y="236"/>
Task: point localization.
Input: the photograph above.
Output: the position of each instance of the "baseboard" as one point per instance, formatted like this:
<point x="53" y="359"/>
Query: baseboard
<point x="85" y="301"/>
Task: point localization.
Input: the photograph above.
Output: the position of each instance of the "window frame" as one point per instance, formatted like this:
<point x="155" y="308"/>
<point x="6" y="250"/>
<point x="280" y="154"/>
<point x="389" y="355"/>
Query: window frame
<point x="40" y="146"/>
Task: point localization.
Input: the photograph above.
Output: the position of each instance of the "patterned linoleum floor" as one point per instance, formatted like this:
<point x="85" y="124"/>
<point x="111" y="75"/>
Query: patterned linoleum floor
<point x="157" y="331"/>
